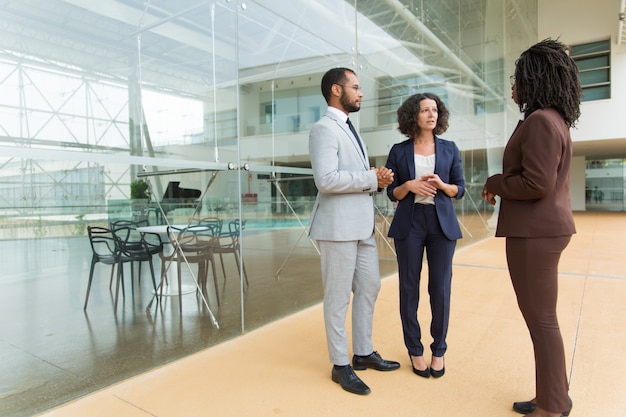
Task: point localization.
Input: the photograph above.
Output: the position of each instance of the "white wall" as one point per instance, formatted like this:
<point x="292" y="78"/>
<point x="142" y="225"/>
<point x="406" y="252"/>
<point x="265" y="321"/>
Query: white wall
<point x="590" y="21"/>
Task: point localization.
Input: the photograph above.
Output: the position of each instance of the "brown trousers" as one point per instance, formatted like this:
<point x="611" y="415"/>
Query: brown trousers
<point x="533" y="266"/>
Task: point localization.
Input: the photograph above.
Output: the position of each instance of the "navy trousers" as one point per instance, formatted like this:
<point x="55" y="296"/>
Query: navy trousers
<point x="425" y="234"/>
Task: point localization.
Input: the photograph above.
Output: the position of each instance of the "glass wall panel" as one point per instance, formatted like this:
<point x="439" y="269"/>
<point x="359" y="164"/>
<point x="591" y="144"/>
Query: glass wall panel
<point x="187" y="102"/>
<point x="397" y="50"/>
<point x="280" y="72"/>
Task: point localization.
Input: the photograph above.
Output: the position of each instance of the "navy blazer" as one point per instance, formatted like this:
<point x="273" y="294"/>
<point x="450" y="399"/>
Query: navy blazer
<point x="448" y="166"/>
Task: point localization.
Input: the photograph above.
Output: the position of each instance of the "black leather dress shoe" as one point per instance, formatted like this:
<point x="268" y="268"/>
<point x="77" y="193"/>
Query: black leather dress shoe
<point x="527" y="407"/>
<point x="348" y="380"/>
<point x="524" y="407"/>
<point x="373" y="361"/>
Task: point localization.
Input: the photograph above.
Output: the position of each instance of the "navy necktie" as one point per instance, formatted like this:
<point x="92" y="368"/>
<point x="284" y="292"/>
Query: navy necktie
<point x="356" y="135"/>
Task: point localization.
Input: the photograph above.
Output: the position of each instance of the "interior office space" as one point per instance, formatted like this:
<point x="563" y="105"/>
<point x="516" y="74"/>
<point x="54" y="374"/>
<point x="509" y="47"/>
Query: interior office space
<point x="217" y="97"/>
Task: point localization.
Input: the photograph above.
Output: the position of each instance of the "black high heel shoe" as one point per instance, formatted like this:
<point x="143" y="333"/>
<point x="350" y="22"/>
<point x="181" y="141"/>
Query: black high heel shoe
<point x="423" y="373"/>
<point x="437" y="373"/>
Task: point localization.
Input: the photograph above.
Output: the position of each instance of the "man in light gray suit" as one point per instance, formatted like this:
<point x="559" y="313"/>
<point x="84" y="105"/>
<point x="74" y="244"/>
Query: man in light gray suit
<point x="342" y="222"/>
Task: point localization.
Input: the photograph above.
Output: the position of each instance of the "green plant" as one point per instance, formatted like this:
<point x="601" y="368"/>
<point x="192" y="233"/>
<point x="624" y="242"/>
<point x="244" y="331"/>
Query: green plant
<point x="139" y="190"/>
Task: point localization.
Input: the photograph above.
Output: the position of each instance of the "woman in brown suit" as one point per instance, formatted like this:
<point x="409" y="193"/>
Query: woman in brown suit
<point x="535" y="210"/>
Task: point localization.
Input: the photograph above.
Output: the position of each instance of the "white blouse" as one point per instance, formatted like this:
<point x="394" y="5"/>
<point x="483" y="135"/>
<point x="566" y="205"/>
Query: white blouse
<point x="424" y="165"/>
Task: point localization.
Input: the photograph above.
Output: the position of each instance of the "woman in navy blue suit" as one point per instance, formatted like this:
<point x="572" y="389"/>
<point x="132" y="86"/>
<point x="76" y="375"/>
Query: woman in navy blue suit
<point x="428" y="173"/>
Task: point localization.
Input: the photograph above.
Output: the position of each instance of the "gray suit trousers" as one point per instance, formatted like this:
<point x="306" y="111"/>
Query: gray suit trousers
<point x="349" y="267"/>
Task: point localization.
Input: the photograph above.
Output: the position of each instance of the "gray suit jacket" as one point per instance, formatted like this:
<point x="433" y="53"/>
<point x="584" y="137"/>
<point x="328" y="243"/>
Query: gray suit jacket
<point x="344" y="208"/>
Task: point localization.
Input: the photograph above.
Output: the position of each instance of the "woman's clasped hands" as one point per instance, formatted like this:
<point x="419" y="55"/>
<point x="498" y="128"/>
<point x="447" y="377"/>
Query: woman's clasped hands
<point x="426" y="185"/>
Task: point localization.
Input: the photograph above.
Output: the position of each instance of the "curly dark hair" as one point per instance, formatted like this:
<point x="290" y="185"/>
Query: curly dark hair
<point x="333" y="76"/>
<point x="546" y="76"/>
<point x="408" y="111"/>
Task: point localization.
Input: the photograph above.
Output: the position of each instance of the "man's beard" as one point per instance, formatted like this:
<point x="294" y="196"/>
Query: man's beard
<point x="347" y="105"/>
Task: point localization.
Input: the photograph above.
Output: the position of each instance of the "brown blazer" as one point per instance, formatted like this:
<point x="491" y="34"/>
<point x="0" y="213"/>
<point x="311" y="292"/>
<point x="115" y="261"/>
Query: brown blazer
<point x="534" y="184"/>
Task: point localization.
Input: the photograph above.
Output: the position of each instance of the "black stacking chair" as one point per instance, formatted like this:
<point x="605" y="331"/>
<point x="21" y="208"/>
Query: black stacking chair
<point x="113" y="247"/>
<point x="152" y="240"/>
<point x="105" y="248"/>
<point x="136" y="239"/>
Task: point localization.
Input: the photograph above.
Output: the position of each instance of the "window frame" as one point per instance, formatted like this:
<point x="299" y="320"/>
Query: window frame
<point x="584" y="53"/>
